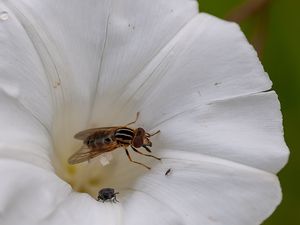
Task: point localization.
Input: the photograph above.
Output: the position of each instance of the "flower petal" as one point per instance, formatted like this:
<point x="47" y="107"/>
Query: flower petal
<point x="23" y="77"/>
<point x="25" y="97"/>
<point x="200" y="190"/>
<point x="40" y="197"/>
<point x="209" y="62"/>
<point x="246" y="129"/>
<point x="24" y="137"/>
<point x="209" y="59"/>
<point x="101" y="45"/>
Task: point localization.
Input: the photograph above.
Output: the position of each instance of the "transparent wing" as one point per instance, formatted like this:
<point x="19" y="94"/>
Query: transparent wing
<point x="82" y="135"/>
<point x="84" y="154"/>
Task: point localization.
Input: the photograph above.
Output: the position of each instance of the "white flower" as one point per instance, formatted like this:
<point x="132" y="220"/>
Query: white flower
<point x="69" y="65"/>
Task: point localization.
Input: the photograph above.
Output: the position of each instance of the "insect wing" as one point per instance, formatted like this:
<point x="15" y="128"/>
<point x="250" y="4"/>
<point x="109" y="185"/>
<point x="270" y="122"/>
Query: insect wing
<point x="82" y="135"/>
<point x="83" y="154"/>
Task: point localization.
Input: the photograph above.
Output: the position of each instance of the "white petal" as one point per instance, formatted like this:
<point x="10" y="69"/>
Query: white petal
<point x="39" y="197"/>
<point x="208" y="60"/>
<point x="23" y="137"/>
<point x="63" y="45"/>
<point x="200" y="190"/>
<point x="246" y="129"/>
<point x="23" y="77"/>
<point x="25" y="97"/>
<point x="100" y="45"/>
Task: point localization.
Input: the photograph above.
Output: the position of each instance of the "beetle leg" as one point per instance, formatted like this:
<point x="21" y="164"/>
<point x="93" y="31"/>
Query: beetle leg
<point x="115" y="199"/>
<point x="127" y="153"/>
<point x="134" y="149"/>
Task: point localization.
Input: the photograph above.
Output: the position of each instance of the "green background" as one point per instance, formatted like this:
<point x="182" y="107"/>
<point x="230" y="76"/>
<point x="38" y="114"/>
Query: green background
<point x="277" y="25"/>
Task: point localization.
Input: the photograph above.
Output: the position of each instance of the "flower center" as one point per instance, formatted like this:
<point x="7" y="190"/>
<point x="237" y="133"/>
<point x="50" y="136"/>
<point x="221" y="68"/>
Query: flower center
<point x="109" y="170"/>
<point x="90" y="176"/>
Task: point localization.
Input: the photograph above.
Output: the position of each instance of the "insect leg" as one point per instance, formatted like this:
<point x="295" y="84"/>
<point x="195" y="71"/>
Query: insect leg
<point x="145" y="147"/>
<point x="137" y="116"/>
<point x="134" y="149"/>
<point x="127" y="153"/>
<point x="115" y="199"/>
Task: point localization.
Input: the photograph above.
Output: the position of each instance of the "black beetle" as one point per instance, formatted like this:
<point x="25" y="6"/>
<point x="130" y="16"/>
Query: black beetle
<point x="107" y="194"/>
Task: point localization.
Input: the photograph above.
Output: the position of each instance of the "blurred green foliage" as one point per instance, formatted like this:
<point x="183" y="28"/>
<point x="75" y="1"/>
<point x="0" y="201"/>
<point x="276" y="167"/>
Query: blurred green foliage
<point x="277" y="26"/>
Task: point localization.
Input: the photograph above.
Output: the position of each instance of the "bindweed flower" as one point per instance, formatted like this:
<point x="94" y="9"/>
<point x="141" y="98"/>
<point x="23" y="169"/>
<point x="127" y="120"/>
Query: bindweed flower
<point x="69" y="65"/>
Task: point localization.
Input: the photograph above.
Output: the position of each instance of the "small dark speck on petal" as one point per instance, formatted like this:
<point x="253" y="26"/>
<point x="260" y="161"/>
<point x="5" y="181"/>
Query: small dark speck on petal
<point x="56" y="84"/>
<point x="212" y="219"/>
<point x="168" y="172"/>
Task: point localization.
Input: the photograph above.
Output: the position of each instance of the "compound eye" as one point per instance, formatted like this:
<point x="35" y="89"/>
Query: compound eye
<point x="107" y="140"/>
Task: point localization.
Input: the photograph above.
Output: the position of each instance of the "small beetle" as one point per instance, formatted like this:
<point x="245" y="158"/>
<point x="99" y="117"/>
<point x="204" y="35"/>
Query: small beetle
<point x="107" y="194"/>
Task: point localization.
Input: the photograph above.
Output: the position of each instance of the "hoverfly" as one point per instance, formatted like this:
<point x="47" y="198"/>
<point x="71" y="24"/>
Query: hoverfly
<point x="97" y="141"/>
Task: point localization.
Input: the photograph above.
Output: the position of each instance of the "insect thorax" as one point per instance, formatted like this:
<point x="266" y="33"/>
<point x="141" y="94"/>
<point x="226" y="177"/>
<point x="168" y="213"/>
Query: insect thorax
<point x="124" y="135"/>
